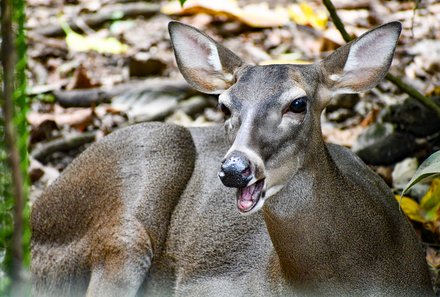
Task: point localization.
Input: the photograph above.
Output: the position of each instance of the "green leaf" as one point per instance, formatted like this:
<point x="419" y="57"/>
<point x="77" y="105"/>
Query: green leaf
<point x="429" y="169"/>
<point x="182" y="2"/>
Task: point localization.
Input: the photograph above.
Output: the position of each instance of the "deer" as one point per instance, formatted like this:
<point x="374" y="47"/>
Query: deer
<point x="259" y="206"/>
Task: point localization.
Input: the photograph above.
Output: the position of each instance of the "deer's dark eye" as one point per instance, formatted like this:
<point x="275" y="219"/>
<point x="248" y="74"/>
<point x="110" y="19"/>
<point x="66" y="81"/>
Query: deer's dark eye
<point x="298" y="105"/>
<point x="225" y="110"/>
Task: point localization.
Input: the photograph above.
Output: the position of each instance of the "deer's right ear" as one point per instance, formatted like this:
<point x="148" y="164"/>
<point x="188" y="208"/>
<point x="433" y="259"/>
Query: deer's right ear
<point x="206" y="65"/>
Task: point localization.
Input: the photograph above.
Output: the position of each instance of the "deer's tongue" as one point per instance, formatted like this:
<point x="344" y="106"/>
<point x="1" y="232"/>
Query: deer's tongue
<point x="248" y="197"/>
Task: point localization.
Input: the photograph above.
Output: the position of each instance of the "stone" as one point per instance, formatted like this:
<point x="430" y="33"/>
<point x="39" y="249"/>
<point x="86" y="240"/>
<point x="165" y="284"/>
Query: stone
<point x="413" y="117"/>
<point x="381" y="144"/>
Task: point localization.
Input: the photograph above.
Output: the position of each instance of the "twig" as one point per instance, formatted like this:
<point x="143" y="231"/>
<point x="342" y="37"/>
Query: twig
<point x="95" y="96"/>
<point x="63" y="144"/>
<point x="427" y="101"/>
<point x="337" y="21"/>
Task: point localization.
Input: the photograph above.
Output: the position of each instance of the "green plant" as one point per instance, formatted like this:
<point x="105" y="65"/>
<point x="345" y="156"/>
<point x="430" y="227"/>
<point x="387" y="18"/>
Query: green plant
<point x="14" y="213"/>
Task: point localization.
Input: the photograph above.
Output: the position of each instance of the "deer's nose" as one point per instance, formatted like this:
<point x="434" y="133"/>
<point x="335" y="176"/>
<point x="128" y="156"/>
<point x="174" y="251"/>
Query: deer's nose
<point x="235" y="171"/>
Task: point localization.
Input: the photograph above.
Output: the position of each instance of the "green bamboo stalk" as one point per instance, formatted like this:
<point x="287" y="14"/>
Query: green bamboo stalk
<point x="14" y="105"/>
<point x="398" y="82"/>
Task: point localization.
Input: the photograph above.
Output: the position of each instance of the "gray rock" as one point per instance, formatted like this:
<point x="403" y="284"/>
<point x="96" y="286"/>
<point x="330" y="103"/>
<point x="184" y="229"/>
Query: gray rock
<point x="380" y="144"/>
<point x="403" y="172"/>
<point x="413" y="117"/>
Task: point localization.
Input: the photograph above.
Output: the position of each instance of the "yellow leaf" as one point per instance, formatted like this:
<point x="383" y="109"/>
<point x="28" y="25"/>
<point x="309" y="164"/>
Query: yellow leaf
<point x="80" y="43"/>
<point x="431" y="201"/>
<point x="304" y="14"/>
<point x="411" y="208"/>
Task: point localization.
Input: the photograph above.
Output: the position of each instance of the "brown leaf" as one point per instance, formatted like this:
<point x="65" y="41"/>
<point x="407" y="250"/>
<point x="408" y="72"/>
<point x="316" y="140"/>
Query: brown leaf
<point x="432" y="257"/>
<point x="81" y="79"/>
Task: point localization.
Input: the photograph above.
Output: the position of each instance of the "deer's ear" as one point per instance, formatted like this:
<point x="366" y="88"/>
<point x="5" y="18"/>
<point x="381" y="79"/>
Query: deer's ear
<point x="361" y="64"/>
<point x="206" y="65"/>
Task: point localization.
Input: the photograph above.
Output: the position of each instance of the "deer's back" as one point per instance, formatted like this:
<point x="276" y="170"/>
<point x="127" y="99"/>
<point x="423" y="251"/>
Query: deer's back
<point x="120" y="190"/>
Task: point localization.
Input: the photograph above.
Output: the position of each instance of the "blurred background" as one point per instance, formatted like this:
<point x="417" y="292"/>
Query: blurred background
<point x="84" y="68"/>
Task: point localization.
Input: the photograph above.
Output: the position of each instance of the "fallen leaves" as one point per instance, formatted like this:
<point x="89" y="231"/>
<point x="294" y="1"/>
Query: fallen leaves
<point x="433" y="258"/>
<point x="254" y="15"/>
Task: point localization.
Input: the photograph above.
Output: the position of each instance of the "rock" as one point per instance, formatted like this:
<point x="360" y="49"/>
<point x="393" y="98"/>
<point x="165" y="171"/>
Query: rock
<point x="413" y="117"/>
<point x="380" y="144"/>
<point x="403" y="172"/>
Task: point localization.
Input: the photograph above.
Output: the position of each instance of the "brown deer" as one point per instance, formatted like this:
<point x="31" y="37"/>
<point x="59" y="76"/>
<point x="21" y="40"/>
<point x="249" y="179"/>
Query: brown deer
<point x="143" y="212"/>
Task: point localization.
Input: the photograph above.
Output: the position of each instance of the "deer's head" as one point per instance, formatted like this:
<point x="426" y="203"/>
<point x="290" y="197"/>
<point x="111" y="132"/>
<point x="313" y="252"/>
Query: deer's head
<point x="273" y="112"/>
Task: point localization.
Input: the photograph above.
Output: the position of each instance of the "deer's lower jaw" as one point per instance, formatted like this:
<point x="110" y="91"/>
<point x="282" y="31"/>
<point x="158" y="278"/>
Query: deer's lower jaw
<point x="249" y="199"/>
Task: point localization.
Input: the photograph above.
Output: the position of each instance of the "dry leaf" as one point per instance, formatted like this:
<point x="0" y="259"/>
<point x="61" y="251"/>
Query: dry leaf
<point x="81" y="79"/>
<point x="304" y="14"/>
<point x="433" y="258"/>
<point x="254" y="15"/>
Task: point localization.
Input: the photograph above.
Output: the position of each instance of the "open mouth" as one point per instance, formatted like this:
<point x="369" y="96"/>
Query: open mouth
<point x="249" y="196"/>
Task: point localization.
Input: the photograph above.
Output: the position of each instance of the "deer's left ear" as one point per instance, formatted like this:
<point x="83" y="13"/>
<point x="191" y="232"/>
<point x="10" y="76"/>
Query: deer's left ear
<point x="206" y="65"/>
<point x="361" y="64"/>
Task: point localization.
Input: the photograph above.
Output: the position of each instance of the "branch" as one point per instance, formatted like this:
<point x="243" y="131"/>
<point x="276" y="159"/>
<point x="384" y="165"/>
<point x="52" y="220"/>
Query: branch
<point x="95" y="96"/>
<point x="336" y="20"/>
<point x="427" y="101"/>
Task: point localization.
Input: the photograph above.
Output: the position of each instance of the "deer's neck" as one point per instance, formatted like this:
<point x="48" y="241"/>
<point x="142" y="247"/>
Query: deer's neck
<point x="299" y="217"/>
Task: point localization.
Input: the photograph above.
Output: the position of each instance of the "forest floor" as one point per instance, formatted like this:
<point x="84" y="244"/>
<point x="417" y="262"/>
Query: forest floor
<point x="96" y="66"/>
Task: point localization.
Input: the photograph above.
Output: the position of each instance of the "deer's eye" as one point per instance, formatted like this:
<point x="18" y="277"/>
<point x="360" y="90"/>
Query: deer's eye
<point x="298" y="105"/>
<point x="225" y="110"/>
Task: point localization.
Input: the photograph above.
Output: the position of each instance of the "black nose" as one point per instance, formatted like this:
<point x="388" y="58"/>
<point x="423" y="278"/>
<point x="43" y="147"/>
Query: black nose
<point x="235" y="171"/>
